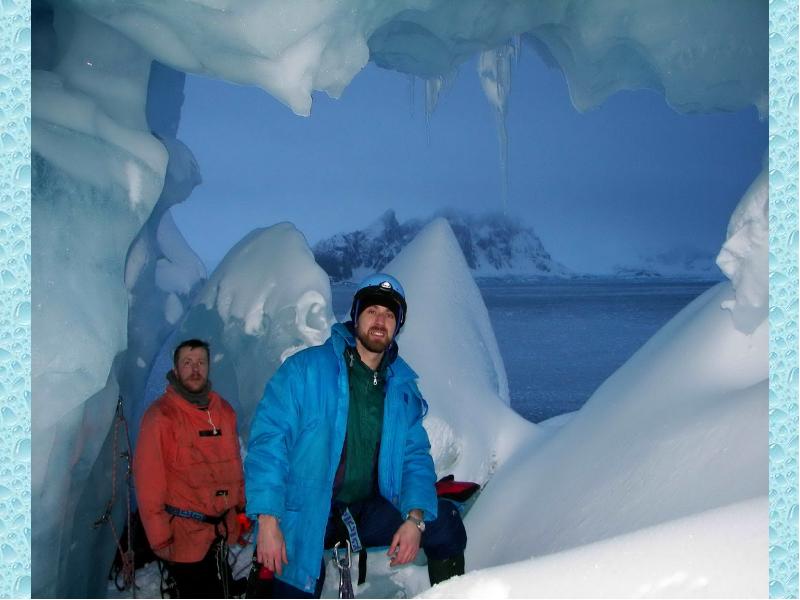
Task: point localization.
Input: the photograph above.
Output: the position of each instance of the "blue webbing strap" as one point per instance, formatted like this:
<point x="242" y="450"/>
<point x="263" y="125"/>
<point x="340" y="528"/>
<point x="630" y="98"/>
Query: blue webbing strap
<point x="352" y="530"/>
<point x="192" y="514"/>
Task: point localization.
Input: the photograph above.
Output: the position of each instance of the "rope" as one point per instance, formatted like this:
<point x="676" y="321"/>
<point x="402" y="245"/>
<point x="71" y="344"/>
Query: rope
<point x="128" y="567"/>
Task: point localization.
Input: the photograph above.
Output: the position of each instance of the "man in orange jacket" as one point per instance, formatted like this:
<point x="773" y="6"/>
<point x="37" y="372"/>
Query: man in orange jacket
<point x="188" y="476"/>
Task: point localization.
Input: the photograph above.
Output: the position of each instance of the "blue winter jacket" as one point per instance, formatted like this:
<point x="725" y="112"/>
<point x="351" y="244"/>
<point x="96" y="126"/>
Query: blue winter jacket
<point x="296" y="442"/>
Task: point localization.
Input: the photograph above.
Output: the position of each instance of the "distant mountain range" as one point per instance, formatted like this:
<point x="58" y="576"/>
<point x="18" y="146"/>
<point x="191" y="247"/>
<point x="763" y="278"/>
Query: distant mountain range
<point x="494" y="245"/>
<point x="677" y="263"/>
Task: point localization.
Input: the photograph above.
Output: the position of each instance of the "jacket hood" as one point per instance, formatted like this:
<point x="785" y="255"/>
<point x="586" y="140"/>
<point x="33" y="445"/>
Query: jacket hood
<point x="343" y="335"/>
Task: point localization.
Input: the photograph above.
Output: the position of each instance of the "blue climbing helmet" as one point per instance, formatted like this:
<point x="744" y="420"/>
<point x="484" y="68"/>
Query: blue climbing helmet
<point x="383" y="290"/>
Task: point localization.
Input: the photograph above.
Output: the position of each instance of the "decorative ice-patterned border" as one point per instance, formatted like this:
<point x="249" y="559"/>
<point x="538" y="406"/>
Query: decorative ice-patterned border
<point x="783" y="289"/>
<point x="15" y="299"/>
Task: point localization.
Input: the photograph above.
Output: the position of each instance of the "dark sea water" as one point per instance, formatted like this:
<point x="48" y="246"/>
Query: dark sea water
<point x="560" y="340"/>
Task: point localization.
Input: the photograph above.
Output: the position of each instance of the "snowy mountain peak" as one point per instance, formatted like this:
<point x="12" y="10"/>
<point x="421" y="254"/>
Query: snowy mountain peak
<point x="493" y="245"/>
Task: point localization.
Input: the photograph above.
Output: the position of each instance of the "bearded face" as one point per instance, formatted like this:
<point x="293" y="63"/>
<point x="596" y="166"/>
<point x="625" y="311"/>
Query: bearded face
<point x="191" y="368"/>
<point x="375" y="328"/>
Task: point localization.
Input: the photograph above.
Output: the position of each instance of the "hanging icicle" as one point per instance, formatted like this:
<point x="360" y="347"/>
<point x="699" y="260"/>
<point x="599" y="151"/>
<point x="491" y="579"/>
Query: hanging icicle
<point x="412" y="93"/>
<point x="494" y="70"/>
<point x="432" y="89"/>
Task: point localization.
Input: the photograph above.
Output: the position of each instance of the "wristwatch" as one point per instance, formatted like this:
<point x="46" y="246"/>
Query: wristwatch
<point x="418" y="522"/>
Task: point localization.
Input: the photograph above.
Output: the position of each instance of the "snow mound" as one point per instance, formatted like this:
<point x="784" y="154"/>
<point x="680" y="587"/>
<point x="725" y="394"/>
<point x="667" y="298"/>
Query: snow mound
<point x="448" y="340"/>
<point x="720" y="553"/>
<point x="681" y="428"/>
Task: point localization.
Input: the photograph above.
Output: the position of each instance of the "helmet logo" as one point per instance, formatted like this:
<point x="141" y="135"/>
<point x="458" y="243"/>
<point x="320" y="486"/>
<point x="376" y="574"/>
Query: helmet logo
<point x="386" y="285"/>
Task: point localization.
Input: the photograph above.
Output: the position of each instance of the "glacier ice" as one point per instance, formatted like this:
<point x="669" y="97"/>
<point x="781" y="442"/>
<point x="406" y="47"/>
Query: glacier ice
<point x="703" y="55"/>
<point x="744" y="256"/>
<point x="99" y="171"/>
<point x="266" y="300"/>
<point x="162" y="275"/>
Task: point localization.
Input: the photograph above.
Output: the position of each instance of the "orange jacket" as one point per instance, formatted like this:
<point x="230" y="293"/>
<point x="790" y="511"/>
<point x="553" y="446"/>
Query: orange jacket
<point x="180" y="462"/>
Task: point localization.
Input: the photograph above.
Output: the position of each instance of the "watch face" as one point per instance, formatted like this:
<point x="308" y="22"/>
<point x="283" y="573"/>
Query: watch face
<point x="418" y="522"/>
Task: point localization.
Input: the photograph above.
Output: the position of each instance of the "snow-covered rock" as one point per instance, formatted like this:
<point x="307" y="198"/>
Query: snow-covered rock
<point x="683" y="263"/>
<point x="493" y="245"/>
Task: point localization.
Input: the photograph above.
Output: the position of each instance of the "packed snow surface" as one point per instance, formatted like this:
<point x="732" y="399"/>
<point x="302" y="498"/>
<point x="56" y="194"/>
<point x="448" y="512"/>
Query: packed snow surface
<point x="99" y="171"/>
<point x="713" y="554"/>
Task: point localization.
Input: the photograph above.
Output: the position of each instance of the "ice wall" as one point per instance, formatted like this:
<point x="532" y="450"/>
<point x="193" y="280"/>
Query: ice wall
<point x="97" y="174"/>
<point x="162" y="275"/>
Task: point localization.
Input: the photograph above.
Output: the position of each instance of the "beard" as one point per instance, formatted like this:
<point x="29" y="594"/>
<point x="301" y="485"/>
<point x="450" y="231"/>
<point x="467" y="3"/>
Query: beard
<point x="193" y="384"/>
<point x="374" y="345"/>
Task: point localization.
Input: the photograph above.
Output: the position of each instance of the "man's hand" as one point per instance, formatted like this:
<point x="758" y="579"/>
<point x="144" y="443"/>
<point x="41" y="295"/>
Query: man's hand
<point x="405" y="544"/>
<point x="270" y="547"/>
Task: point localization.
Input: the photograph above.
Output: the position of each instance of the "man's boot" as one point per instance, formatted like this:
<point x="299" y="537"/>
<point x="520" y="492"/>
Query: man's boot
<point x="443" y="569"/>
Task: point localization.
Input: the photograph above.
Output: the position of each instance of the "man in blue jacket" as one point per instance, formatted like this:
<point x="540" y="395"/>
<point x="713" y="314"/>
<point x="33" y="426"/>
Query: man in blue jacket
<point x="337" y="441"/>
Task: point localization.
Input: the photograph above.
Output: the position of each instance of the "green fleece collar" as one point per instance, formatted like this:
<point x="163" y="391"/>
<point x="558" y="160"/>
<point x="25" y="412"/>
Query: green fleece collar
<point x="342" y="336"/>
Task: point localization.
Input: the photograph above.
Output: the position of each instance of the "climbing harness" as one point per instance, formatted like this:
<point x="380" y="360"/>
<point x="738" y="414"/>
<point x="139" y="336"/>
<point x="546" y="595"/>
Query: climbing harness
<point x="342" y="561"/>
<point x="193" y="514"/>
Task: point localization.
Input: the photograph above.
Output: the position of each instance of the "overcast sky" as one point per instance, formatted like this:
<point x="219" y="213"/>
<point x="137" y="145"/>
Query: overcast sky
<point x="629" y="179"/>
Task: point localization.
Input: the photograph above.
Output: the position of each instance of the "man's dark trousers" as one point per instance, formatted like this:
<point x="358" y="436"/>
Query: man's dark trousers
<point x="202" y="579"/>
<point x="378" y="521"/>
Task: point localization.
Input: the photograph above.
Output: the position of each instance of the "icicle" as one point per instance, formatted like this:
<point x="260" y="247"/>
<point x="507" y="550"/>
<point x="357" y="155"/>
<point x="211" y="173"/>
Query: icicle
<point x="494" y="70"/>
<point x="412" y="92"/>
<point x="432" y="89"/>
